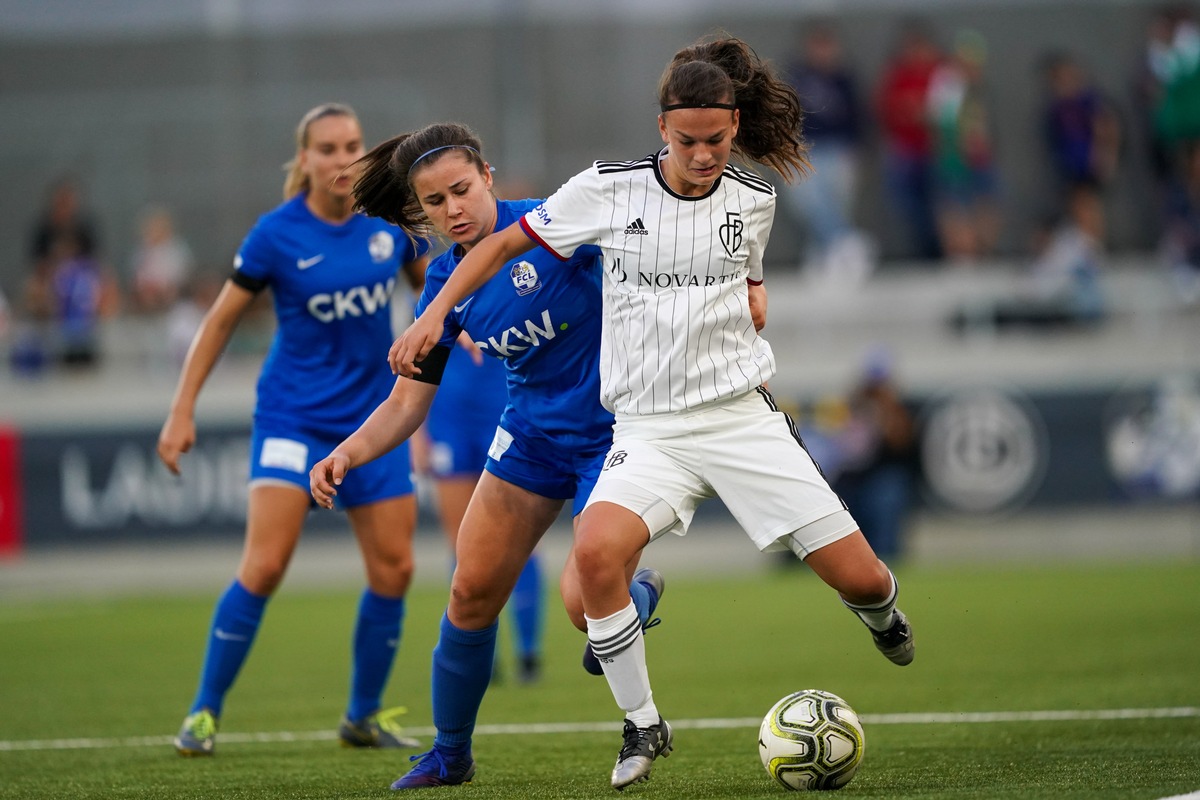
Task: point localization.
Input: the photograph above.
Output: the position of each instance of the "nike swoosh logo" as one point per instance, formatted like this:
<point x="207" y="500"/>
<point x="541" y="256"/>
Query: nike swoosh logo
<point x="460" y="309"/>
<point x="305" y="263"/>
<point x="230" y="637"/>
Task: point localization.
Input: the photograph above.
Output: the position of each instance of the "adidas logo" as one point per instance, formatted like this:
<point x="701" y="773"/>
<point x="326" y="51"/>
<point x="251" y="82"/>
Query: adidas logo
<point x="636" y="227"/>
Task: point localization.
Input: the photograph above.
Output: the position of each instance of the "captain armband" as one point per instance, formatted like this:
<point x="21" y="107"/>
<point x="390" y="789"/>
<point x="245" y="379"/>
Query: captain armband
<point x="753" y="282"/>
<point x="243" y="280"/>
<point x="433" y="366"/>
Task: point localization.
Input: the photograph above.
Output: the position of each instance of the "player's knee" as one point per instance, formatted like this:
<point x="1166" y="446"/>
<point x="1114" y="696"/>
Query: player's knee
<point x="390" y="574"/>
<point x="473" y="603"/>
<point x="262" y="576"/>
<point x="573" y="602"/>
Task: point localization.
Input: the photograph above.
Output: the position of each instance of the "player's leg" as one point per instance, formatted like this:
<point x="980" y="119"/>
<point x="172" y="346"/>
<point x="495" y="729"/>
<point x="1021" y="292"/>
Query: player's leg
<point x="384" y="530"/>
<point x="527" y="610"/>
<point x="275" y="517"/>
<point x="609" y="538"/>
<point x="782" y="499"/>
<point x="502" y="526"/>
<point x="869" y="589"/>
<point x="646" y="587"/>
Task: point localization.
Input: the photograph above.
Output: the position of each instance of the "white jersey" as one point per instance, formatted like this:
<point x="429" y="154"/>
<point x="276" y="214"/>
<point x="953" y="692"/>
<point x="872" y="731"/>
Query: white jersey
<point x="677" y="330"/>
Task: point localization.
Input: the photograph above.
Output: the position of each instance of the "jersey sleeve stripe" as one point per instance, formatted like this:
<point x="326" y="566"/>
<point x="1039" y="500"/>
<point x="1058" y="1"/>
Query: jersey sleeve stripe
<point x="530" y="233"/>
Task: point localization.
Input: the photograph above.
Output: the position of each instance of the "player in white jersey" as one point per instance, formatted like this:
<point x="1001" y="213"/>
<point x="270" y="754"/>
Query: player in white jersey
<point x="683" y="369"/>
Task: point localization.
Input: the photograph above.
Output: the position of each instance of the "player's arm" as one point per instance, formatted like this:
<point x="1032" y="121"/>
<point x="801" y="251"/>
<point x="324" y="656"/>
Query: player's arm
<point x="178" y="433"/>
<point x="482" y="262"/>
<point x="414" y="273"/>
<point x="758" y="304"/>
<point x="392" y="422"/>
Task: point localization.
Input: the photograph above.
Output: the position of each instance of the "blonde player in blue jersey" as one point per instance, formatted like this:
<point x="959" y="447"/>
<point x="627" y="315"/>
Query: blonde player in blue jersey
<point x="544" y="323"/>
<point x="683" y="368"/>
<point x="458" y="430"/>
<point x="331" y="273"/>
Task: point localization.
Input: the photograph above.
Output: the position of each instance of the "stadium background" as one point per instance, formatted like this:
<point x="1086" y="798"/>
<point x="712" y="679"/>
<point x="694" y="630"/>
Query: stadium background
<point x="192" y="105"/>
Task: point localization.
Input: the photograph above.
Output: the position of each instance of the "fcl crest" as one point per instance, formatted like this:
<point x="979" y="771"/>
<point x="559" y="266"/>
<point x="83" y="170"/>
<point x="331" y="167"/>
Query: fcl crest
<point x="525" y="278"/>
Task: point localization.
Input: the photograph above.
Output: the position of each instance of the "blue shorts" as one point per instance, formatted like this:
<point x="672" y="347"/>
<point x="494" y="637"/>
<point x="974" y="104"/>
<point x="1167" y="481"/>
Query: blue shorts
<point x="546" y="468"/>
<point x="287" y="457"/>
<point x="459" y="450"/>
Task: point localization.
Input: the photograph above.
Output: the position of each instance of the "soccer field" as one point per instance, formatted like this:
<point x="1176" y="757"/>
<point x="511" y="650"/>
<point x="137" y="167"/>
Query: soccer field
<point x="1029" y="682"/>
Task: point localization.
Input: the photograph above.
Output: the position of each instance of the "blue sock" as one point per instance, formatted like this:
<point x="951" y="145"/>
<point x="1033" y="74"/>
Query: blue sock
<point x="462" y="668"/>
<point x="644" y="600"/>
<point x="234" y="625"/>
<point x="527" y="607"/>
<point x="376" y="637"/>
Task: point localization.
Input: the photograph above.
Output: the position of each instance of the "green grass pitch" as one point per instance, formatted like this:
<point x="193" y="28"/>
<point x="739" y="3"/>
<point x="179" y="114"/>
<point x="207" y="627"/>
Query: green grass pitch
<point x="118" y="674"/>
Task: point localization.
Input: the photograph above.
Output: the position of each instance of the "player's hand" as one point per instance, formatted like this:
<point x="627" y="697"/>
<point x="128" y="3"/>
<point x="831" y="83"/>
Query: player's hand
<point x="176" y="438"/>
<point x="414" y="344"/>
<point x="758" y="305"/>
<point x="325" y="476"/>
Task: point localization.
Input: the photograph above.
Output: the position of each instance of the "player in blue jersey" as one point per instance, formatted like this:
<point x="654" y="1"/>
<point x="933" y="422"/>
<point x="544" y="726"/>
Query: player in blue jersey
<point x="331" y="273"/>
<point x="458" y="430"/>
<point x="544" y="322"/>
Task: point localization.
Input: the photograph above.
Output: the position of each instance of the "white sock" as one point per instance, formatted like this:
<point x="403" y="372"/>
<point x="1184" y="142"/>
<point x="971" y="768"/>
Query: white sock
<point x="617" y="642"/>
<point x="878" y="617"/>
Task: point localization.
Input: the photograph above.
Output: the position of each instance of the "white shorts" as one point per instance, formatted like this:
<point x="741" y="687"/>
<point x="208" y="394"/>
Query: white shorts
<point x="745" y="451"/>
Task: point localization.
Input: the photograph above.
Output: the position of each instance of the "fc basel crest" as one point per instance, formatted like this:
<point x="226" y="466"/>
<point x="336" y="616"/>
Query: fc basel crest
<point x="731" y="232"/>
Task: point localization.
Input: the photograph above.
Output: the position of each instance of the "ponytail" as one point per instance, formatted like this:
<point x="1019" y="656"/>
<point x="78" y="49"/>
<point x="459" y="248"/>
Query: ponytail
<point x="726" y="72"/>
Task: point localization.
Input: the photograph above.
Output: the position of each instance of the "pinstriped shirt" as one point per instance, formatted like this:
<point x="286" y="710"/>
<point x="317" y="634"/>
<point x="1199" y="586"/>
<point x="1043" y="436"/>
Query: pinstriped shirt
<point x="677" y="331"/>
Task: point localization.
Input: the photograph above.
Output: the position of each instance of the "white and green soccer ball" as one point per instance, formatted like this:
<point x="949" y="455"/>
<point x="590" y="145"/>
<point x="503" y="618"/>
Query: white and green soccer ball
<point x="811" y="740"/>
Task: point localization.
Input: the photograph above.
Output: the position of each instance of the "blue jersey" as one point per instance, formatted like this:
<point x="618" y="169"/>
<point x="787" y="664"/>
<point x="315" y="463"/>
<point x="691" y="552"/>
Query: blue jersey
<point x="542" y="317"/>
<point x="332" y="284"/>
<point x="469" y="400"/>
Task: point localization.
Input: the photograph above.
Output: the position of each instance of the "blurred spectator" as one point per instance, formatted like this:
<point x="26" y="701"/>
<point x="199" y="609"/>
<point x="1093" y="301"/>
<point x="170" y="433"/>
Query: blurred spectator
<point x="824" y="200"/>
<point x="878" y="458"/>
<point x="1181" y="240"/>
<point x="82" y="293"/>
<point x="1173" y="61"/>
<point x="965" y="181"/>
<point x="63" y="216"/>
<point x="162" y="263"/>
<point x="1062" y="288"/>
<point x="66" y="290"/>
<point x="902" y="102"/>
<point x="1082" y="133"/>
<point x="186" y="314"/>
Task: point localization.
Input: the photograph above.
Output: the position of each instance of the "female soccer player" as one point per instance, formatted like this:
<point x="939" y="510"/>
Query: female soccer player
<point x="331" y="273"/>
<point x="459" y="428"/>
<point x="544" y="322"/>
<point x="682" y="232"/>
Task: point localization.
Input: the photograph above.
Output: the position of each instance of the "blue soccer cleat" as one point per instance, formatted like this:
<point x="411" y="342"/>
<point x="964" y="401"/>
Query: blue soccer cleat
<point x="657" y="584"/>
<point x="438" y="768"/>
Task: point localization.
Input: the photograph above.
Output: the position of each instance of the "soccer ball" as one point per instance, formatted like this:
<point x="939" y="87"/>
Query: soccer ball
<point x="811" y="740"/>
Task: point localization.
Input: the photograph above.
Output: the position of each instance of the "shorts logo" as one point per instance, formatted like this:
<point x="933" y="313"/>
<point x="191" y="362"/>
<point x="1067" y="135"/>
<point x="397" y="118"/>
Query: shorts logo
<point x="615" y="459"/>
<point x="637" y="227"/>
<point x="381" y="246"/>
<point x="731" y="232"/>
<point x="525" y="278"/>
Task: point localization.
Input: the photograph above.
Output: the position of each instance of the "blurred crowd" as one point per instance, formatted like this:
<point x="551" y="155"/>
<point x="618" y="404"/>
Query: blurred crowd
<point x="926" y="124"/>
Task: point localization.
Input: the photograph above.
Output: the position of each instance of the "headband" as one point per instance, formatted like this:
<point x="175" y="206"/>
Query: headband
<point x="445" y="147"/>
<point x="677" y="106"/>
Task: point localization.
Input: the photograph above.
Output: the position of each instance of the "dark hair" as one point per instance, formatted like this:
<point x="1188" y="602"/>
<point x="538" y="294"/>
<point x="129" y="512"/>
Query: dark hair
<point x="384" y="188"/>
<point x="727" y="70"/>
